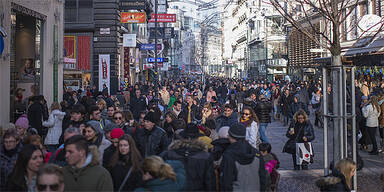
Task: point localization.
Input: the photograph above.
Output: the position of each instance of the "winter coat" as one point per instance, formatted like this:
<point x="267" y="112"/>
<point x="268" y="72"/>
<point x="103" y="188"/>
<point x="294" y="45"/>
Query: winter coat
<point x="198" y="163"/>
<point x="167" y="184"/>
<point x="54" y="125"/>
<point x="35" y="116"/>
<point x="252" y="135"/>
<point x="120" y="171"/>
<point x="107" y="155"/>
<point x="295" y="107"/>
<point x="334" y="182"/>
<point x="219" y="146"/>
<point x="222" y="120"/>
<point x="91" y="177"/>
<point x="285" y="103"/>
<point x="137" y="105"/>
<point x="195" y="113"/>
<point x="151" y="142"/>
<point x="105" y="143"/>
<point x="263" y="110"/>
<point x="7" y="162"/>
<point x="300" y="130"/>
<point x="372" y="115"/>
<point x="242" y="169"/>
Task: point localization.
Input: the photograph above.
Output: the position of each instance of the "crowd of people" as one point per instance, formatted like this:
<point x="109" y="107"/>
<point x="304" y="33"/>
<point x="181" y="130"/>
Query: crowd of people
<point x="180" y="135"/>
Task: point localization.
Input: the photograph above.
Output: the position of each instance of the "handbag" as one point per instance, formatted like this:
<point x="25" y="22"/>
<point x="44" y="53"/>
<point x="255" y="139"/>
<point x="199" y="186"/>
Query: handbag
<point x="290" y="145"/>
<point x="125" y="179"/>
<point x="304" y="153"/>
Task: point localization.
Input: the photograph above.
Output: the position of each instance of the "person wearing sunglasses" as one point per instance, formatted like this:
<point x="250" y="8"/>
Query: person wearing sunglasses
<point x="50" y="178"/>
<point x="251" y="122"/>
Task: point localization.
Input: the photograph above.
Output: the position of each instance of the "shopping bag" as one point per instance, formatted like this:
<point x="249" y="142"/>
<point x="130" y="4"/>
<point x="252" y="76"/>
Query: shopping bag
<point x="304" y="152"/>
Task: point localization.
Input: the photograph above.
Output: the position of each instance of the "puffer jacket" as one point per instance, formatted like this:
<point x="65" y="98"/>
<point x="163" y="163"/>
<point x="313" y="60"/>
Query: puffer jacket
<point x="197" y="161"/>
<point x="151" y="142"/>
<point x="91" y="177"/>
<point x="334" y="182"/>
<point x="263" y="110"/>
<point x="372" y="115"/>
<point x="7" y="162"/>
<point x="54" y="125"/>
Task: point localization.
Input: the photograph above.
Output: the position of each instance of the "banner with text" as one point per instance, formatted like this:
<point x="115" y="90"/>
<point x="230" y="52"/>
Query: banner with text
<point x="132" y="17"/>
<point x="104" y="71"/>
<point x="163" y="18"/>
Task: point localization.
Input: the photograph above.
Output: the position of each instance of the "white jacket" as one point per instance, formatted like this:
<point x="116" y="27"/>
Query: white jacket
<point x="54" y="125"/>
<point x="252" y="135"/>
<point x="372" y="115"/>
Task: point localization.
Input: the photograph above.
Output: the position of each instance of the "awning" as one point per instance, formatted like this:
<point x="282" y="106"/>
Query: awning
<point x="374" y="47"/>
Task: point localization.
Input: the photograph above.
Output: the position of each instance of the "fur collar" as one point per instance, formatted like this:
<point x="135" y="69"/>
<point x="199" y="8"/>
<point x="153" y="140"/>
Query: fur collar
<point x="188" y="143"/>
<point x="326" y="181"/>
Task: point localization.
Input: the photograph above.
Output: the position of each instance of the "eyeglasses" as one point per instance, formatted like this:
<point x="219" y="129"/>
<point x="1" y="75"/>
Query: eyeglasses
<point x="247" y="114"/>
<point x="118" y="118"/>
<point x="53" y="187"/>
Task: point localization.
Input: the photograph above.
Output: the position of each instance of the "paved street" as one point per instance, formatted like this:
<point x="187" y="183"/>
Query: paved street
<point x="368" y="178"/>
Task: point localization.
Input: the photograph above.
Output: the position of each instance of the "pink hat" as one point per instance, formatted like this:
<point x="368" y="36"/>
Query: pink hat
<point x="22" y="121"/>
<point x="116" y="133"/>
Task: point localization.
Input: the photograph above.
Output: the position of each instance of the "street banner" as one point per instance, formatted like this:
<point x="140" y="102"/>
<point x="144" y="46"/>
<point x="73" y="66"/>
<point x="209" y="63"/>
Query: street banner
<point x="70" y="49"/>
<point x="132" y="17"/>
<point x="163" y="18"/>
<point x="104" y="71"/>
<point x="132" y="4"/>
<point x="129" y="40"/>
<point x="144" y="47"/>
<point x="159" y="60"/>
<point x="126" y="63"/>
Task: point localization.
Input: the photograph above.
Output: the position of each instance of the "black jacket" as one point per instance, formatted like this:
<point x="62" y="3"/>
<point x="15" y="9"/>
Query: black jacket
<point x="296" y="107"/>
<point x="285" y="102"/>
<point x="334" y="182"/>
<point x="219" y="146"/>
<point x="301" y="130"/>
<point x="223" y="120"/>
<point x="35" y="116"/>
<point x="263" y="110"/>
<point x="151" y="142"/>
<point x="197" y="161"/>
<point x="120" y="171"/>
<point x="195" y="113"/>
<point x="107" y="155"/>
<point x="137" y="105"/>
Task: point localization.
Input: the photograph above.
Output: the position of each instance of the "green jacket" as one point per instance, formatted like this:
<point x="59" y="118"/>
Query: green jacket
<point x="91" y="177"/>
<point x="171" y="101"/>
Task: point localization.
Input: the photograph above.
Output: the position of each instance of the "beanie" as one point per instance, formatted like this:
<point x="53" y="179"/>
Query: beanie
<point x="237" y="131"/>
<point x="150" y="117"/>
<point x="95" y="126"/>
<point x="22" y="121"/>
<point x="109" y="127"/>
<point x="116" y="133"/>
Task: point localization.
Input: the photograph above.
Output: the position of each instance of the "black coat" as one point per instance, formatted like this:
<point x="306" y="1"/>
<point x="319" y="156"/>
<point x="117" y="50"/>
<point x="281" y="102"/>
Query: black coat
<point x="197" y="161"/>
<point x="334" y="182"/>
<point x="137" y="105"/>
<point x="195" y="113"/>
<point x="263" y="111"/>
<point x="35" y="116"/>
<point x="296" y="107"/>
<point x="285" y="103"/>
<point x="151" y="142"/>
<point x="120" y="171"/>
<point x="107" y="155"/>
<point x="301" y="130"/>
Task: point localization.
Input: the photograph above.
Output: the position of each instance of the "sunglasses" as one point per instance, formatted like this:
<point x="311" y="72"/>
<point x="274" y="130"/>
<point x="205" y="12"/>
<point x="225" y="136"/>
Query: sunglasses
<point x="118" y="118"/>
<point x="245" y="114"/>
<point x="53" y="187"/>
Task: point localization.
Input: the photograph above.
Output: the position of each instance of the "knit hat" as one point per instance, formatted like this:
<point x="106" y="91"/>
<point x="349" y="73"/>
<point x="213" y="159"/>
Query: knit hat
<point x="116" y="133"/>
<point x="191" y="131"/>
<point x="109" y="127"/>
<point x="95" y="126"/>
<point x="237" y="131"/>
<point x="150" y="117"/>
<point x="22" y="121"/>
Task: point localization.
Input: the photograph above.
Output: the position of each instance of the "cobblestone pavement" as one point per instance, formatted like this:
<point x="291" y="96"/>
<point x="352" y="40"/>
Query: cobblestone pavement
<point x="368" y="178"/>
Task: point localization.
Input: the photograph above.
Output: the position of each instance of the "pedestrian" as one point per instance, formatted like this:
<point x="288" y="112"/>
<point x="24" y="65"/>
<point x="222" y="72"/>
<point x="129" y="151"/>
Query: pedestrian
<point x="227" y="118"/>
<point x="251" y="122"/>
<point x="242" y="166"/>
<point x="381" y="122"/>
<point x="102" y="105"/>
<point x="110" y="111"/>
<point x="21" y="125"/>
<point x="299" y="131"/>
<point x="190" y="112"/>
<point x="54" y="125"/>
<point x="23" y="176"/>
<point x="95" y="114"/>
<point x="168" y="125"/>
<point x="124" y="165"/>
<point x="35" y="113"/>
<point x="198" y="163"/>
<point x="272" y="163"/>
<point x="50" y="176"/>
<point x="340" y="179"/>
<point x="371" y="111"/>
<point x="162" y="176"/>
<point x="95" y="136"/>
<point x="125" y="121"/>
<point x="285" y="102"/>
<point x="315" y="102"/>
<point x="83" y="172"/>
<point x="137" y="104"/>
<point x="296" y="106"/>
<point x="58" y="157"/>
<point x="116" y="133"/>
<point x="263" y="111"/>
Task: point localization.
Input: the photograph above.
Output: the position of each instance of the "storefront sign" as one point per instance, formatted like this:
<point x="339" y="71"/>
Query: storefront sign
<point x="277" y="62"/>
<point x="150" y="47"/>
<point x="133" y="17"/>
<point x="105" y="31"/>
<point x="161" y="9"/>
<point x="163" y="18"/>
<point x="104" y="71"/>
<point x="132" y="4"/>
<point x="159" y="60"/>
<point x="147" y="66"/>
<point x="129" y="40"/>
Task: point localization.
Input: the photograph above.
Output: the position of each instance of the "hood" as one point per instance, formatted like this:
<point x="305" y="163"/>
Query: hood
<point x="327" y="181"/>
<point x="188" y="144"/>
<point x="58" y="114"/>
<point x="92" y="157"/>
<point x="243" y="152"/>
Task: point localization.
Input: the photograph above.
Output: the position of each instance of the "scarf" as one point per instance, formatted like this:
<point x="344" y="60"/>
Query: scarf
<point x="246" y="122"/>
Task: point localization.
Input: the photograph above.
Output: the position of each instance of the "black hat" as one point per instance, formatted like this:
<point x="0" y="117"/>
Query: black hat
<point x="150" y="117"/>
<point x="237" y="131"/>
<point x="191" y="131"/>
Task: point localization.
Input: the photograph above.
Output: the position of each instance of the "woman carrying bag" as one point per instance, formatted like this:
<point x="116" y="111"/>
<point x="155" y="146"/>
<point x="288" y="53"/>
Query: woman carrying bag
<point x="299" y="131"/>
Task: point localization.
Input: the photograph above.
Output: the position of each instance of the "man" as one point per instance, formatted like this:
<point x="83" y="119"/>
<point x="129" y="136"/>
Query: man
<point x="164" y="95"/>
<point x="50" y="178"/>
<point x="190" y="112"/>
<point x="83" y="172"/>
<point x="138" y="104"/>
<point x="151" y="140"/>
<point x="228" y="118"/>
<point x="95" y="114"/>
<point x="110" y="112"/>
<point x="58" y="156"/>
<point x="242" y="167"/>
<point x="115" y="134"/>
<point x="263" y="111"/>
<point x="35" y="114"/>
<point x="177" y="108"/>
<point x="198" y="163"/>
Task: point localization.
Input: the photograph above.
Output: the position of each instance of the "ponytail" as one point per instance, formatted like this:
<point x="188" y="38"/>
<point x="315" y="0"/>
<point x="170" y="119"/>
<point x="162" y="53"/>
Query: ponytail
<point x="156" y="167"/>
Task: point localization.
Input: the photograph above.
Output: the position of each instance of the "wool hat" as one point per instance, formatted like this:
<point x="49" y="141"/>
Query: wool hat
<point x="116" y="133"/>
<point x="22" y="121"/>
<point x="191" y="131"/>
<point x="150" y="117"/>
<point x="109" y="127"/>
<point x="237" y="131"/>
<point x="96" y="126"/>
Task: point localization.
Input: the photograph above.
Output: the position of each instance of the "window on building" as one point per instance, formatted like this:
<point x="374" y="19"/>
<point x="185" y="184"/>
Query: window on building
<point x="78" y="11"/>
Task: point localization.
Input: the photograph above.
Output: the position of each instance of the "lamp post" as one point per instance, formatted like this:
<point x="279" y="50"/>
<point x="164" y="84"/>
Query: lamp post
<point x="156" y="70"/>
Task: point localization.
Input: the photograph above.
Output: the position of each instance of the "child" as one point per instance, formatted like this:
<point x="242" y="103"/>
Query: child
<point x="272" y="163"/>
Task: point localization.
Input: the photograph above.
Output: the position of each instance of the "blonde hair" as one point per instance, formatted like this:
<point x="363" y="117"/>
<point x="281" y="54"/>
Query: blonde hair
<point x="101" y="101"/>
<point x="300" y="112"/>
<point x="345" y="166"/>
<point x="55" y="105"/>
<point x="375" y="103"/>
<point x="156" y="167"/>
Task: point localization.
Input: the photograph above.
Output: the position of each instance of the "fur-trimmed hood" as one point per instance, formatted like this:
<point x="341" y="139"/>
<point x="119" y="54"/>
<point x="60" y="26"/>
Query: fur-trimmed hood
<point x="188" y="143"/>
<point x="334" y="182"/>
<point x="327" y="181"/>
<point x="93" y="150"/>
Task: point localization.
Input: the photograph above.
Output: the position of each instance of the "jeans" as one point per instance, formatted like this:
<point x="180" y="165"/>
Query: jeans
<point x="263" y="127"/>
<point x="372" y="136"/>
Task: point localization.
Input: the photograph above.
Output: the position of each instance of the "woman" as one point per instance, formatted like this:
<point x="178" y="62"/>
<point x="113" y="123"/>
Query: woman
<point x="315" y="102"/>
<point x="125" y="121"/>
<point x="371" y="111"/>
<point x="23" y="176"/>
<point x="102" y="105"/>
<point x="210" y="94"/>
<point x="162" y="176"/>
<point x="95" y="136"/>
<point x="251" y="122"/>
<point x="168" y="125"/>
<point x="299" y="131"/>
<point x="54" y="125"/>
<point x="340" y="179"/>
<point x="206" y="113"/>
<point x="125" y="165"/>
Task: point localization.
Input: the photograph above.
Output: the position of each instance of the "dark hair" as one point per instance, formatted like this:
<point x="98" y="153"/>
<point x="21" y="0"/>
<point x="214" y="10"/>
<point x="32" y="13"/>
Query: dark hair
<point x="179" y="124"/>
<point x="20" y="169"/>
<point x="265" y="147"/>
<point x="171" y="114"/>
<point x="10" y="133"/>
<point x="134" y="159"/>
<point x="176" y="102"/>
<point x="127" y="114"/>
<point x="78" y="108"/>
<point x="50" y="169"/>
<point x="92" y="109"/>
<point x="253" y="114"/>
<point x="228" y="106"/>
<point x="79" y="141"/>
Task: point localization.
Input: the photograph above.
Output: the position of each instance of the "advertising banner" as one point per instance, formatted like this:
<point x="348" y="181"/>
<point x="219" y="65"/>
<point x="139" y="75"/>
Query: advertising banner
<point x="163" y="18"/>
<point x="132" y="4"/>
<point x="69" y="49"/>
<point x="129" y="40"/>
<point x="126" y="63"/>
<point x="104" y="71"/>
<point x="132" y="17"/>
